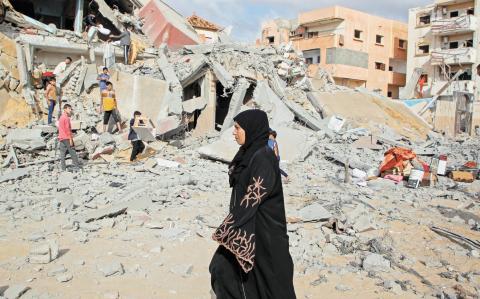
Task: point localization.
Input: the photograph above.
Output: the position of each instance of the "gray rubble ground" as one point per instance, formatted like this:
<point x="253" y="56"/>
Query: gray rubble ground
<point x="143" y="231"/>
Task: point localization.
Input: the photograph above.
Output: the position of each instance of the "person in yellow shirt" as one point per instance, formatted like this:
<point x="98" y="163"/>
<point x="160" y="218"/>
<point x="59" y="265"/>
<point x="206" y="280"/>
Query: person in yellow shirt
<point x="108" y="106"/>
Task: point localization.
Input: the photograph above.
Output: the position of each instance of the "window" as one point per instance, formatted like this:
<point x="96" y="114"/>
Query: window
<point x="390" y="94"/>
<point x="312" y="34"/>
<point x="423" y="49"/>
<point x="318" y="59"/>
<point x="453" y="45"/>
<point x="271" y="39"/>
<point x="469" y="43"/>
<point x="453" y="14"/>
<point x="379" y="66"/>
<point x="470" y="11"/>
<point x="390" y="68"/>
<point x="341" y="40"/>
<point x="402" y="44"/>
<point x="465" y="76"/>
<point x="379" y="39"/>
<point x="309" y="60"/>
<point x="357" y="34"/>
<point x="424" y="20"/>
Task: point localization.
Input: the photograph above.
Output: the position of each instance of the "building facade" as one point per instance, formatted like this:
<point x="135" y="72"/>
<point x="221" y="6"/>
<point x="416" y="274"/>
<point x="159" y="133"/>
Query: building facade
<point x="358" y="49"/>
<point x="442" y="61"/>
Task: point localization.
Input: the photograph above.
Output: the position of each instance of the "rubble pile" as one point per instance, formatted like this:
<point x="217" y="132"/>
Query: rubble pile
<point x="356" y="227"/>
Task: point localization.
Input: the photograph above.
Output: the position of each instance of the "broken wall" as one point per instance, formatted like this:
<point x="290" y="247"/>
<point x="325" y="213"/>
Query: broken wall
<point x="13" y="109"/>
<point x="140" y="93"/>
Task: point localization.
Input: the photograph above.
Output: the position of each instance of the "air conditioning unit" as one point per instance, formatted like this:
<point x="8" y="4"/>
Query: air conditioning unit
<point x="446" y="39"/>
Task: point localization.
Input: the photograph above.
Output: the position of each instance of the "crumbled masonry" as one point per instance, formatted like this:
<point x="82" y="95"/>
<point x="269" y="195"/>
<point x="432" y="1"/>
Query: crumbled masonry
<point x="117" y="229"/>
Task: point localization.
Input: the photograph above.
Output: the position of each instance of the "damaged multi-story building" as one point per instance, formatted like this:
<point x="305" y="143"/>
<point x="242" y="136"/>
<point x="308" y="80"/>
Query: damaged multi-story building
<point x="442" y="61"/>
<point x="356" y="48"/>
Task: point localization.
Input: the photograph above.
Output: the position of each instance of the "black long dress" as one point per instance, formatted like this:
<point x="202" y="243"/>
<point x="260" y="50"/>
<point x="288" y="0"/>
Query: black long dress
<point x="253" y="260"/>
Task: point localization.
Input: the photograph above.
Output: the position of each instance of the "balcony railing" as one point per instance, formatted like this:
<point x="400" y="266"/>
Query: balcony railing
<point x="454" y="56"/>
<point x="451" y="26"/>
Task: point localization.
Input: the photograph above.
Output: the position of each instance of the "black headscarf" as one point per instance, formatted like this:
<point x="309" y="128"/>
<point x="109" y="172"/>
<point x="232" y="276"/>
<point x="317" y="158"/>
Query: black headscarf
<point x="255" y="125"/>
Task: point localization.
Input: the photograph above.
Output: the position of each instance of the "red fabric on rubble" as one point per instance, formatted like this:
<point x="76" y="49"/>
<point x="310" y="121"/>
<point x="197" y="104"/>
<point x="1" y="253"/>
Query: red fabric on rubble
<point x="395" y="157"/>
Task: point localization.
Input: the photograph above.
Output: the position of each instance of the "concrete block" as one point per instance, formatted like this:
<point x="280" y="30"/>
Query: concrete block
<point x="278" y="112"/>
<point x="15" y="174"/>
<point x="314" y="213"/>
<point x="15" y="291"/>
<point x="236" y="102"/>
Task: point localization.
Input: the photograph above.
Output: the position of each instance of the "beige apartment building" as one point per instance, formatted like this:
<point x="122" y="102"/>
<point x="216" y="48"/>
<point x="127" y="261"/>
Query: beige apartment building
<point x="442" y="61"/>
<point x="358" y="49"/>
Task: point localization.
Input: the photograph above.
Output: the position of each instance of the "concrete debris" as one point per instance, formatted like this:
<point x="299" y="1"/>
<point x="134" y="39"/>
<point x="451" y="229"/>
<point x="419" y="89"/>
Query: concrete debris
<point x="15" y="291"/>
<point x="44" y="253"/>
<point x="314" y="213"/>
<point x="111" y="269"/>
<point x="347" y="214"/>
<point x="14" y="175"/>
<point x="376" y="263"/>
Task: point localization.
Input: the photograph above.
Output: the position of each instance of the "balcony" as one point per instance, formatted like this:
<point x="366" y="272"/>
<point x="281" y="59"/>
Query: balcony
<point x="454" y="56"/>
<point x="464" y="86"/>
<point x="397" y="79"/>
<point x="446" y="27"/>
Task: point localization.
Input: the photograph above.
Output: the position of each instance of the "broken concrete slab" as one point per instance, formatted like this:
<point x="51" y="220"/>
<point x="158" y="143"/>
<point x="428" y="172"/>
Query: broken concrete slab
<point x="111" y="269"/>
<point x="15" y="291"/>
<point x="144" y="134"/>
<point x="198" y="68"/>
<point x="314" y="213"/>
<point x="310" y="121"/>
<point x="140" y="93"/>
<point x="15" y="174"/>
<point x="236" y="102"/>
<point x="162" y="24"/>
<point x="277" y="111"/>
<point x="222" y="74"/>
<point x="294" y="146"/>
<point x="109" y="14"/>
<point x="376" y="263"/>
<point x="109" y="212"/>
<point x="190" y="106"/>
<point x="24" y="135"/>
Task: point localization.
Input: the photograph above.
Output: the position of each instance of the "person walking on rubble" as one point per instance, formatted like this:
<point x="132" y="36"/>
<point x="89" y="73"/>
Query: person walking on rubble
<point x="108" y="105"/>
<point x="51" y="96"/>
<point x="125" y="41"/>
<point x="65" y="138"/>
<point x="137" y="144"/>
<point x="273" y="144"/>
<point x="253" y="259"/>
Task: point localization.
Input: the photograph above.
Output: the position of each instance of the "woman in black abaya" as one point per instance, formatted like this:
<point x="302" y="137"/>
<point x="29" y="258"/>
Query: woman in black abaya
<point x="253" y="259"/>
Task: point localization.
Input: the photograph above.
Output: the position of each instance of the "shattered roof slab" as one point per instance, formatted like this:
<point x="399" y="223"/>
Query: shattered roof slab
<point x="162" y="24"/>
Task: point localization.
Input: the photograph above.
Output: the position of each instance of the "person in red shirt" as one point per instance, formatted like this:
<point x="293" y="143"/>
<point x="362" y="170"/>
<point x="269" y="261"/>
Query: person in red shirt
<point x="65" y="138"/>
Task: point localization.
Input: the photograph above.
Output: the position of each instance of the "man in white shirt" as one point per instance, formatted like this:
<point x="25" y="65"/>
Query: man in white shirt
<point x="62" y="67"/>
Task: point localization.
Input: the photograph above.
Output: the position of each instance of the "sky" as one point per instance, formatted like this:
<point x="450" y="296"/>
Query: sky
<point x="246" y="16"/>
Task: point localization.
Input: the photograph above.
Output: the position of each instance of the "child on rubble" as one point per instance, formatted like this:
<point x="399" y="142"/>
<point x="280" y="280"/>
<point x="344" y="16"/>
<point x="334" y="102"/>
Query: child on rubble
<point x="137" y="144"/>
<point x="108" y="105"/>
<point x="272" y="143"/>
<point x="51" y="96"/>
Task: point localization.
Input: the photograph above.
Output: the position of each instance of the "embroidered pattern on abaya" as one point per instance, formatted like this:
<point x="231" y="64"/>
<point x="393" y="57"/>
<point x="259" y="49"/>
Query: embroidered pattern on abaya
<point x="238" y="241"/>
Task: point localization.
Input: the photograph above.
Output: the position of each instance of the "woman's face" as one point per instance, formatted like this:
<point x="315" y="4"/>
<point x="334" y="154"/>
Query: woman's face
<point x="239" y="134"/>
